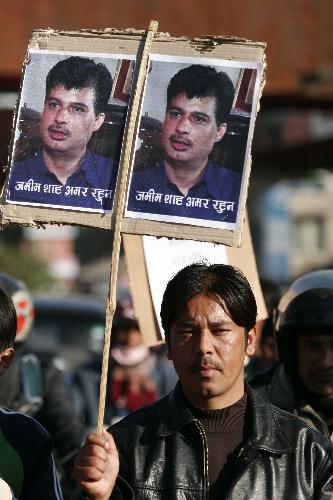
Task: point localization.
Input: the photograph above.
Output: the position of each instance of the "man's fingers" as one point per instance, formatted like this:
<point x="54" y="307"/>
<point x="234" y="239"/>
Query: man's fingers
<point x="94" y="438"/>
<point x="105" y="440"/>
<point x="110" y="445"/>
<point x="96" y="451"/>
<point x="87" y="474"/>
<point x="93" y="450"/>
<point x="89" y="462"/>
<point x="93" y="454"/>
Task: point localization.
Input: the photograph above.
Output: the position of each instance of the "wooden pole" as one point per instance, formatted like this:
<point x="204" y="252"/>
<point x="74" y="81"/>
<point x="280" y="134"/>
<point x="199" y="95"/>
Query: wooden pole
<point x="112" y="298"/>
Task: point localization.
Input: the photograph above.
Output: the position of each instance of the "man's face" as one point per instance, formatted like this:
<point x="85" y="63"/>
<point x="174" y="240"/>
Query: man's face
<point x="315" y="363"/>
<point x="190" y="130"/>
<point x="208" y="350"/>
<point x="68" y="120"/>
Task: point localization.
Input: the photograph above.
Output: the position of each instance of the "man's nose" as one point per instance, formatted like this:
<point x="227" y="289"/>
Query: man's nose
<point x="183" y="125"/>
<point x="61" y="115"/>
<point x="204" y="343"/>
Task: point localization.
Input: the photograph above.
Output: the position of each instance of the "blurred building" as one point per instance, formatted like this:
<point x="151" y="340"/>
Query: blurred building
<point x="296" y="220"/>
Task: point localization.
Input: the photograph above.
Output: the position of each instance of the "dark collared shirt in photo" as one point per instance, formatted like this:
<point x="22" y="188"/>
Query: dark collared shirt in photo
<point x="215" y="197"/>
<point x="91" y="187"/>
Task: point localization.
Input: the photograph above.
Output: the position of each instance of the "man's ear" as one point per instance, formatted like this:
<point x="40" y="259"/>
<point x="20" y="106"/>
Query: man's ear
<point x="5" y="359"/>
<point x="99" y="120"/>
<point x="221" y="130"/>
<point x="250" y="348"/>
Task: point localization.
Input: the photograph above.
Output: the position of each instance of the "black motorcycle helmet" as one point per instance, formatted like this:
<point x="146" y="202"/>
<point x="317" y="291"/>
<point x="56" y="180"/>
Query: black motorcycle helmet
<point x="23" y="303"/>
<point x="306" y="306"/>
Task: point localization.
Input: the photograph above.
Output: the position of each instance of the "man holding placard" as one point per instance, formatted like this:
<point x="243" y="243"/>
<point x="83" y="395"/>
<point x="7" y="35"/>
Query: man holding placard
<point x="212" y="436"/>
<point x="187" y="183"/>
<point x="65" y="172"/>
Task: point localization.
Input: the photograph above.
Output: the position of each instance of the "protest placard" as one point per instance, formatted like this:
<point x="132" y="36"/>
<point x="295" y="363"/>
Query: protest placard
<point x="66" y="153"/>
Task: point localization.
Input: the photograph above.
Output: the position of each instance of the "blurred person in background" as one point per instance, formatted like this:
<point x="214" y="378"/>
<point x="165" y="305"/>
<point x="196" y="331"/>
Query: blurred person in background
<point x="303" y="381"/>
<point x="138" y="375"/>
<point x="37" y="388"/>
<point x="27" y="467"/>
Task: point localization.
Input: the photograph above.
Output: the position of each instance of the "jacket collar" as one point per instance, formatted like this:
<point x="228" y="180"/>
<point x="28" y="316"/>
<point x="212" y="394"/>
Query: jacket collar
<point x="265" y="432"/>
<point x="177" y="414"/>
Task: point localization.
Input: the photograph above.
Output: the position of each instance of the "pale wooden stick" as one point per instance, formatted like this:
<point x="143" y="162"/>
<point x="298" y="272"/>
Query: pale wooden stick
<point x="112" y="298"/>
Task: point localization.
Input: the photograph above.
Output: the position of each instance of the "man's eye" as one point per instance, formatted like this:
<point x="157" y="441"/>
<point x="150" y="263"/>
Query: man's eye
<point x="173" y="114"/>
<point x="219" y="331"/>
<point x="78" y="109"/>
<point x="185" y="333"/>
<point x="200" y="119"/>
<point x="52" y="104"/>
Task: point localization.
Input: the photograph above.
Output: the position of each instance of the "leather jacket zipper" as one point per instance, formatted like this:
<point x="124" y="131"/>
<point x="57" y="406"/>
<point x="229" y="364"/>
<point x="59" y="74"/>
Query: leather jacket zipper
<point x="205" y="452"/>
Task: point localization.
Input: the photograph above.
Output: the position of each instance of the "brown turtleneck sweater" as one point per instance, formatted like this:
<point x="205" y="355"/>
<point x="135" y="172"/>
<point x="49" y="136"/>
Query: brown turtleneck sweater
<point x="225" y="431"/>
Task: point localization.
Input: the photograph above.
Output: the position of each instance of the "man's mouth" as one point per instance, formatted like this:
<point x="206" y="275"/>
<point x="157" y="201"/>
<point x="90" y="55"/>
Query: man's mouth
<point x="58" y="134"/>
<point x="207" y="371"/>
<point x="178" y="143"/>
<point x="206" y="367"/>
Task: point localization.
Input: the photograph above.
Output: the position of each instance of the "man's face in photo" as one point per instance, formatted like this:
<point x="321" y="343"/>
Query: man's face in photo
<point x="190" y="129"/>
<point x="68" y="120"/>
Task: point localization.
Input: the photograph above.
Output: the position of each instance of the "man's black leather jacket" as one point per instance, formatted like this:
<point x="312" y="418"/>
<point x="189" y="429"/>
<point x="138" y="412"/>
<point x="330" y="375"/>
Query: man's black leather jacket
<point x="163" y="455"/>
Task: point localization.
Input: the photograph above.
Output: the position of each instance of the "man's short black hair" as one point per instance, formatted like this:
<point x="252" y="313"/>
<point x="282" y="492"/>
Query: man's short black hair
<point x="204" y="81"/>
<point x="8" y="322"/>
<point x="223" y="283"/>
<point x="81" y="72"/>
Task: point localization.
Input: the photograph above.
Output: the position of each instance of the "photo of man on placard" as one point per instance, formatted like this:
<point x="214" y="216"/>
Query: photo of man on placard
<point x="64" y="172"/>
<point x="185" y="181"/>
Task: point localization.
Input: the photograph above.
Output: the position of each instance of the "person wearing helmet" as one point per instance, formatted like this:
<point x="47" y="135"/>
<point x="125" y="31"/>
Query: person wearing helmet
<point x="303" y="381"/>
<point x="27" y="467"/>
<point x="37" y="388"/>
